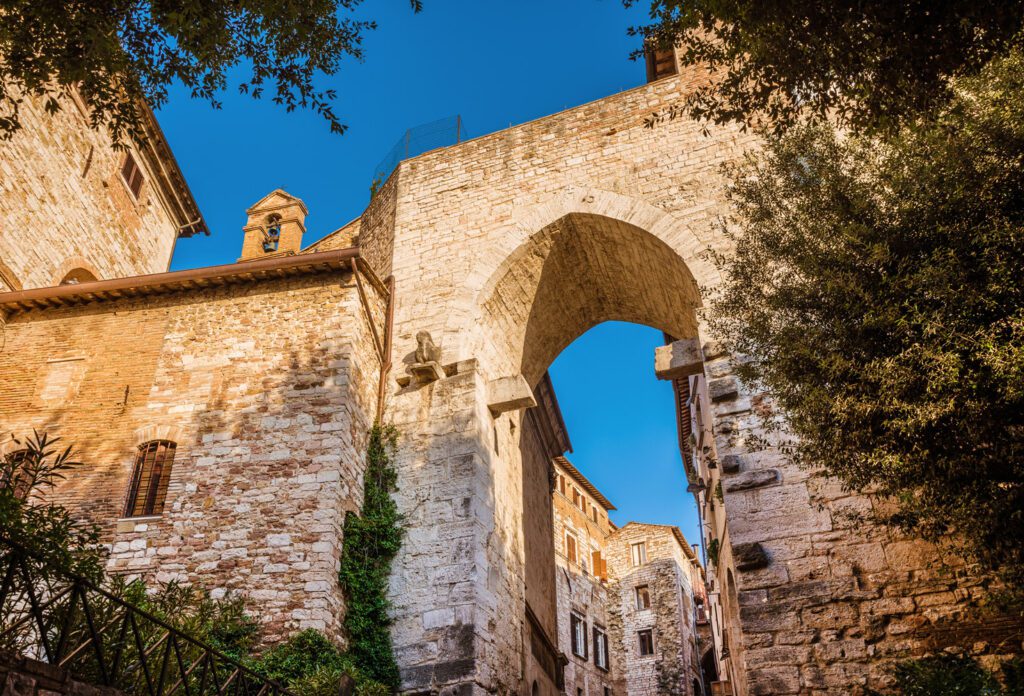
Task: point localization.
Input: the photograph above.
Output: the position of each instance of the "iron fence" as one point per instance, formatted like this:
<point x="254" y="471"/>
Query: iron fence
<point x="65" y="620"/>
<point x="419" y="139"/>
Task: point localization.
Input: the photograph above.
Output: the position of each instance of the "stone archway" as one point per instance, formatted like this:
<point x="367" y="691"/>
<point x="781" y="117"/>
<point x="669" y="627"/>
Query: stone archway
<point x="581" y="258"/>
<point x="576" y="272"/>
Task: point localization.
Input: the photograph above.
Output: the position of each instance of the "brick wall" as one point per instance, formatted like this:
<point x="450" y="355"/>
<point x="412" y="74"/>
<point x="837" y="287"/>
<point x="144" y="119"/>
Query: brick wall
<point x="268" y="389"/>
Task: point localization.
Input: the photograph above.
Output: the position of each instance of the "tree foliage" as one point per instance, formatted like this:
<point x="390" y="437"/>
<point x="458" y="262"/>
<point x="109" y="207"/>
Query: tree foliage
<point x="371" y="541"/>
<point x="876" y="288"/>
<point x="46" y="529"/>
<point x="118" y="53"/>
<point x="956" y="675"/>
<point x="869" y="63"/>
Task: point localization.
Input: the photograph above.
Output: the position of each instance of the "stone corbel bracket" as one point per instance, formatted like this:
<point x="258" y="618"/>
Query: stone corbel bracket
<point x="509" y="394"/>
<point x="679" y="359"/>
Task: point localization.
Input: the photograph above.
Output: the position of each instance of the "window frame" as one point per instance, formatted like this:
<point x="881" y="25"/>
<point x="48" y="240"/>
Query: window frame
<point x="649" y="634"/>
<point x="578" y="632"/>
<point x="130" y="171"/>
<point x="161" y="464"/>
<point x="573" y="557"/>
<point x="638" y="559"/>
<point x="645" y="592"/>
<point x="601" y="648"/>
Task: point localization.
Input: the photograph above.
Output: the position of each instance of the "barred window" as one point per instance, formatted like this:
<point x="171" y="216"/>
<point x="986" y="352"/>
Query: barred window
<point x="149" y="478"/>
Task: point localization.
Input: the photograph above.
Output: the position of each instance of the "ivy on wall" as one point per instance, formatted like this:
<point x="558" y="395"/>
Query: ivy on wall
<point x="371" y="541"/>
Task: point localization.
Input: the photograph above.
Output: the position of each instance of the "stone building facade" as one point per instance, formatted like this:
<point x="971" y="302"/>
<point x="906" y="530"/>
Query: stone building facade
<point x="256" y="383"/>
<point x="657" y="580"/>
<point x="627" y="598"/>
<point x="581" y="531"/>
<point x="74" y="208"/>
<point x="500" y="250"/>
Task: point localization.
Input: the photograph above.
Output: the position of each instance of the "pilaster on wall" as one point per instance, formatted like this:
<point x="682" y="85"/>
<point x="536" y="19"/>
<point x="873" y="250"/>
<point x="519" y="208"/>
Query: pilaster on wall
<point x="456" y="585"/>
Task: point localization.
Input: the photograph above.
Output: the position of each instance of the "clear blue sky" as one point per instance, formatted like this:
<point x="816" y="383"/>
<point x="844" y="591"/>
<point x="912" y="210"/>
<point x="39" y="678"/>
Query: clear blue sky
<point x="496" y="64"/>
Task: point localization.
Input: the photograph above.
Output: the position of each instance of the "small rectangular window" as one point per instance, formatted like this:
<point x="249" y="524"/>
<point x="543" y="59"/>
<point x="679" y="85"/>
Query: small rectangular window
<point x="600" y="649"/>
<point x="638" y="552"/>
<point x="643" y="597"/>
<point x="570" y="548"/>
<point x="132" y="175"/>
<point x="578" y="629"/>
<point x="149" y="479"/>
<point x="646" y="641"/>
<point x="593" y="512"/>
<point x="561" y="484"/>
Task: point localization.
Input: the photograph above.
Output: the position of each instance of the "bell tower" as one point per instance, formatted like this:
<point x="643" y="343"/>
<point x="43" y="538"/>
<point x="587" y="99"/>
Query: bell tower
<point x="275" y="227"/>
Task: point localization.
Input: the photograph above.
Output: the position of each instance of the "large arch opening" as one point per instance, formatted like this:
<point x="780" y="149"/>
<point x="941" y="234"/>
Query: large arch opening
<point x="611" y="281"/>
<point x="575" y="273"/>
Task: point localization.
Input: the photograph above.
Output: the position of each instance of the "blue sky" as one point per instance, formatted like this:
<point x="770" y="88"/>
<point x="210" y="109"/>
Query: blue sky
<point x="495" y="64"/>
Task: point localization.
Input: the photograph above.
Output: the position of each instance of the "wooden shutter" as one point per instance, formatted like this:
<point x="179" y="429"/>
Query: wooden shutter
<point x="149" y="479"/>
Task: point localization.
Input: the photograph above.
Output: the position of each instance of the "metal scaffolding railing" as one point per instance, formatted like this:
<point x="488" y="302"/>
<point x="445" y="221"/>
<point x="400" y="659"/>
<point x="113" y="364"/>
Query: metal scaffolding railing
<point x="419" y="139"/>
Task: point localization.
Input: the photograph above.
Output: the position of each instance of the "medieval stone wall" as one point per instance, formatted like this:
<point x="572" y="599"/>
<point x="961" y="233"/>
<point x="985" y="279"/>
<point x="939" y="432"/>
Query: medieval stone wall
<point x="268" y="389"/>
<point x="827" y="600"/>
<point x="64" y="205"/>
<point x="460" y="213"/>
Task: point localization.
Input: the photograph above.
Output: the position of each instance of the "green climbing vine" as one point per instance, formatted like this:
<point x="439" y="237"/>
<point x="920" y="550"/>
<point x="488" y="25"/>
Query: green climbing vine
<point x="371" y="541"/>
<point x="714" y="547"/>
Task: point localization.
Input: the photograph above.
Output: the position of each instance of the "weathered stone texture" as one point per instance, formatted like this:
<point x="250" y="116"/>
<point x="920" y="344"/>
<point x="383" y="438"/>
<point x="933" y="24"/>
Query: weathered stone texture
<point x="64" y="205"/>
<point x="267" y="388"/>
<point x="670" y="578"/>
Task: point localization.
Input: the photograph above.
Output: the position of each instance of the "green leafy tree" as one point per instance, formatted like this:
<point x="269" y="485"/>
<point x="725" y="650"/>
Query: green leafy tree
<point x="44" y="528"/>
<point x="868" y="63"/>
<point x="877" y="287"/>
<point x="956" y="675"/>
<point x="119" y="53"/>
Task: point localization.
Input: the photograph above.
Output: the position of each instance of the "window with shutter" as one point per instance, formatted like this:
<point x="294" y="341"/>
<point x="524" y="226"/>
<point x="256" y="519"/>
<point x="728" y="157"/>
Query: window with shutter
<point x="638" y="553"/>
<point x="570" y="548"/>
<point x="132" y="175"/>
<point x="578" y="630"/>
<point x="600" y="649"/>
<point x="152" y="472"/>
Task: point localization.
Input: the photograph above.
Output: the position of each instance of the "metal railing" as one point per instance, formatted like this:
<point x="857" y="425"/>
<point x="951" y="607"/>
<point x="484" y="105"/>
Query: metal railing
<point x="419" y="139"/>
<point x="59" y="618"/>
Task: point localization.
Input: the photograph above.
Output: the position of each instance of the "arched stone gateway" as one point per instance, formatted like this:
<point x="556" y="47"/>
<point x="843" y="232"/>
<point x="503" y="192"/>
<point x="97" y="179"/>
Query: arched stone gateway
<point x="505" y="249"/>
<point x="475" y="266"/>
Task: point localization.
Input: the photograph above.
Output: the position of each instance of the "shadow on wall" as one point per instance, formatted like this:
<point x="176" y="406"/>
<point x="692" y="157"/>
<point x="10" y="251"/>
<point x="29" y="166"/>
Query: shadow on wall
<point x="270" y="409"/>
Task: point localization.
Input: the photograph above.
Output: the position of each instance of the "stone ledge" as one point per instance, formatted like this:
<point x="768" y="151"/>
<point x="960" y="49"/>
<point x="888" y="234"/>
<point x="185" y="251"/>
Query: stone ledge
<point x="753" y="479"/>
<point x="723" y="389"/>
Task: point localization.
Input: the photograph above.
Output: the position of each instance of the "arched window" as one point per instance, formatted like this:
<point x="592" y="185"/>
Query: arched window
<point x="149" y="478"/>
<point x="273" y="236"/>
<point x="13" y="474"/>
<point x="76" y="276"/>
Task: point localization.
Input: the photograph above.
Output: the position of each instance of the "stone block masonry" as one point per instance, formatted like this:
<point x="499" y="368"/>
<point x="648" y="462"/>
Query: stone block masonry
<point x="65" y="206"/>
<point x="267" y="388"/>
